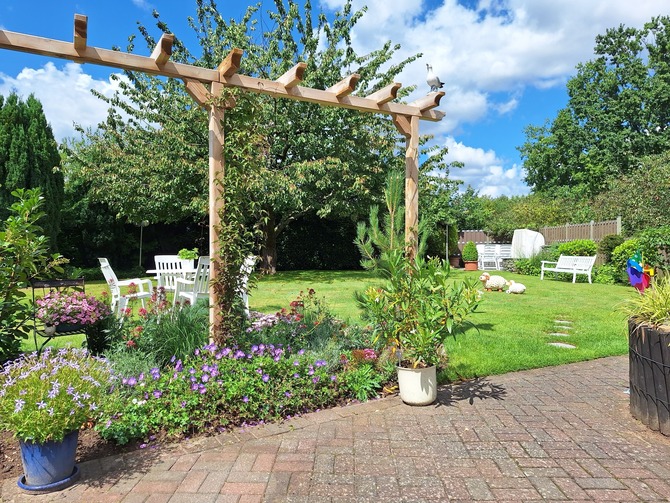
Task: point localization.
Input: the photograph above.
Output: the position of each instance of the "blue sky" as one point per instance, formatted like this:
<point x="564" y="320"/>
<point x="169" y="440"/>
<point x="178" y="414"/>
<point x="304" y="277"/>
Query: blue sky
<point x="504" y="62"/>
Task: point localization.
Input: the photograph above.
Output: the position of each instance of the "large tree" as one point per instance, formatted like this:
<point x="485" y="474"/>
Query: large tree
<point x="149" y="159"/>
<point x="618" y="111"/>
<point x="29" y="159"/>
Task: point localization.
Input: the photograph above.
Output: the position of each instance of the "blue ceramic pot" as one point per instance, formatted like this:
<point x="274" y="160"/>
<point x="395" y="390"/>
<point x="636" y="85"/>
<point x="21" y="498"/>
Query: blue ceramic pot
<point x="49" y="466"/>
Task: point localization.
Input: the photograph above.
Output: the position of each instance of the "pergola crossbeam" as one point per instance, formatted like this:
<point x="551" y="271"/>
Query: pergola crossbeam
<point x="345" y="86"/>
<point x="231" y="64"/>
<point x="80" y="32"/>
<point x="163" y="49"/>
<point x="294" y="76"/>
<point x="385" y="94"/>
<point x="431" y="100"/>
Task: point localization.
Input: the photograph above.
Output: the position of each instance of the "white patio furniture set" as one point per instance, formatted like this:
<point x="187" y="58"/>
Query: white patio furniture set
<point x="173" y="274"/>
<point x="491" y="256"/>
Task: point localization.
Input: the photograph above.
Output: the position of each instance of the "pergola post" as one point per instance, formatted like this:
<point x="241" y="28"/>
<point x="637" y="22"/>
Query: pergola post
<point x="217" y="171"/>
<point x="412" y="189"/>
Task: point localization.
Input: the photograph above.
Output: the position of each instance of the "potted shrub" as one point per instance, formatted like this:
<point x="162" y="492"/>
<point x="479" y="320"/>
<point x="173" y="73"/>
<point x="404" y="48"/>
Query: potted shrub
<point x="414" y="313"/>
<point x="44" y="400"/>
<point x="649" y="354"/>
<point x="454" y="252"/>
<point x="470" y="256"/>
<point x="189" y="256"/>
<point x="68" y="311"/>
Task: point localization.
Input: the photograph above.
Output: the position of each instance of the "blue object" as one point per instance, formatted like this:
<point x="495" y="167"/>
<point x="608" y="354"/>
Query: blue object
<point x="49" y="466"/>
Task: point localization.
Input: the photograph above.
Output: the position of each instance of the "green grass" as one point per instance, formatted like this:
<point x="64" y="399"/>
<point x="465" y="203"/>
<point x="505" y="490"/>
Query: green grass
<point x="512" y="330"/>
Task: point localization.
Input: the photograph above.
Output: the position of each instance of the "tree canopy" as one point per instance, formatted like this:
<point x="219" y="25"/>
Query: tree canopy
<point x="149" y="159"/>
<point x="29" y="159"/>
<point x="618" y="112"/>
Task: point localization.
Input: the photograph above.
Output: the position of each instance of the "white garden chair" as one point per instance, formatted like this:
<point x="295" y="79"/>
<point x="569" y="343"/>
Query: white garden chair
<point x="169" y="268"/>
<point x="190" y="290"/>
<point x="115" y="287"/>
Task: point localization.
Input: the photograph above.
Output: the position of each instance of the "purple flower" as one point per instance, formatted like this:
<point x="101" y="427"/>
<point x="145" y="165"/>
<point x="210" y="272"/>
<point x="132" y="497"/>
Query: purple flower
<point x="157" y="393"/>
<point x="333" y="378"/>
<point x="266" y="378"/>
<point x="315" y="379"/>
<point x="245" y="399"/>
<point x="41" y="405"/>
<point x="132" y="381"/>
<point x="18" y="404"/>
<point x="205" y="378"/>
<point x="296" y="363"/>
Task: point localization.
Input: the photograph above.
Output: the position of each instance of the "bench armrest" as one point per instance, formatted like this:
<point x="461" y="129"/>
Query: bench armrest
<point x="139" y="283"/>
<point x="548" y="262"/>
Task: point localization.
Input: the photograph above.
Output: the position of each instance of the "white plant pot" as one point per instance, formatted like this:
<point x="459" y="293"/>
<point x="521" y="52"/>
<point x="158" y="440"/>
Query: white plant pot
<point x="417" y="386"/>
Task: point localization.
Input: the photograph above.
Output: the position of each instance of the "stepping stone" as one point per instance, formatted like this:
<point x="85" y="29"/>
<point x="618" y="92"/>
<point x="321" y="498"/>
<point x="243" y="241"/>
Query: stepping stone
<point x="560" y="334"/>
<point x="562" y="345"/>
<point x="563" y="322"/>
<point x="563" y="327"/>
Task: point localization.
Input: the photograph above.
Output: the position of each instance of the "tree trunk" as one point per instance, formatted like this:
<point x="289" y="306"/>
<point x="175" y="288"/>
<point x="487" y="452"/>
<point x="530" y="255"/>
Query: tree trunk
<point x="269" y="249"/>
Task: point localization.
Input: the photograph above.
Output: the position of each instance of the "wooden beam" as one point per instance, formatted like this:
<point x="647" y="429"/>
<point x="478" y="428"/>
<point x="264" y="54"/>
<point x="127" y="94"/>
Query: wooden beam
<point x="294" y="76"/>
<point x="274" y="88"/>
<point x="430" y="100"/>
<point x="224" y="74"/>
<point x="217" y="169"/>
<point x="385" y="94"/>
<point x="163" y="49"/>
<point x="345" y="86"/>
<point x="412" y="189"/>
<point x="198" y="92"/>
<point x="231" y="64"/>
<point x="80" y="32"/>
<point x="104" y="57"/>
<point x="402" y="124"/>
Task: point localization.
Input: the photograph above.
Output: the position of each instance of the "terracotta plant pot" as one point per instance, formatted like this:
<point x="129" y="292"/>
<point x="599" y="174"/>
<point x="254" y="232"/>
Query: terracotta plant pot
<point x="470" y="266"/>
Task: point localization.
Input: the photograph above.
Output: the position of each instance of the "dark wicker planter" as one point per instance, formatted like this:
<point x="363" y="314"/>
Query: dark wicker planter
<point x="649" y="374"/>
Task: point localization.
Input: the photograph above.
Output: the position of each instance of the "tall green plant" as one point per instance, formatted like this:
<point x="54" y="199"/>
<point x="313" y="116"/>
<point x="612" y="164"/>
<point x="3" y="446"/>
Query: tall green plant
<point x="23" y="255"/>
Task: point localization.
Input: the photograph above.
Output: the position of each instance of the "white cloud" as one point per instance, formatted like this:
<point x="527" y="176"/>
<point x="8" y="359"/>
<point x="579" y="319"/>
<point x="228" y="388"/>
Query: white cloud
<point x="484" y="171"/>
<point x="64" y="93"/>
<point x="142" y="4"/>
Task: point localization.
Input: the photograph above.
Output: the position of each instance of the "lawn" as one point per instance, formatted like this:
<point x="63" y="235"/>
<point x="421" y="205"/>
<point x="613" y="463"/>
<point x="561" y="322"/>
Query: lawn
<point x="512" y="331"/>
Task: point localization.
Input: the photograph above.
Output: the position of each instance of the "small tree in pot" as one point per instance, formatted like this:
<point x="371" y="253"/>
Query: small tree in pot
<point x="470" y="256"/>
<point x="415" y="312"/>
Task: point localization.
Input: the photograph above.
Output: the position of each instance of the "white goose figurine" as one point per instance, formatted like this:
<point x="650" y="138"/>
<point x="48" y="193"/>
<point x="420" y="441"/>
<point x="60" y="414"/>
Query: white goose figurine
<point x="433" y="80"/>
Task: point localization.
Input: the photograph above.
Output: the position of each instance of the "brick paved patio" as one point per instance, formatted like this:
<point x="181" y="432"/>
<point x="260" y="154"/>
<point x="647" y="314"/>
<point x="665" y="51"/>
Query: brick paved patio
<point x="554" y="434"/>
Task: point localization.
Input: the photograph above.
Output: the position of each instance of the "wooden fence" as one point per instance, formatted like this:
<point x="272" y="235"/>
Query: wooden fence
<point x="559" y="234"/>
<point x="595" y="231"/>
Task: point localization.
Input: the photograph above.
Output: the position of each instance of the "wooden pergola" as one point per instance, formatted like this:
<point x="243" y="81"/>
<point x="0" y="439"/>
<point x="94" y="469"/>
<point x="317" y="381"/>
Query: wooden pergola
<point x="405" y="116"/>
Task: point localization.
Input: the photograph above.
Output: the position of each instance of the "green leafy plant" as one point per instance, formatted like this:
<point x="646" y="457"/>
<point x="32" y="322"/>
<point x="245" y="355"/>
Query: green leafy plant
<point x="470" y="253"/>
<point x="45" y="397"/>
<point x="186" y="254"/>
<point x="652" y="306"/>
<point x="24" y="254"/>
<point x="418" y="308"/>
<point x="608" y="244"/>
<point x="578" y="247"/>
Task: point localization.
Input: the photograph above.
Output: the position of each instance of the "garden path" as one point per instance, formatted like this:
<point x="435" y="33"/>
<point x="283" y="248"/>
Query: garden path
<point x="553" y="434"/>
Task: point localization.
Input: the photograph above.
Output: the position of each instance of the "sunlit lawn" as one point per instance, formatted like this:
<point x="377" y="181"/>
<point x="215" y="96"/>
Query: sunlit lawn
<point x="512" y="330"/>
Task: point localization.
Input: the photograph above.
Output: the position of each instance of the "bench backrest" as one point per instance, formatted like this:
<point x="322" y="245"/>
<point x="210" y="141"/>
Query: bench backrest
<point x="574" y="262"/>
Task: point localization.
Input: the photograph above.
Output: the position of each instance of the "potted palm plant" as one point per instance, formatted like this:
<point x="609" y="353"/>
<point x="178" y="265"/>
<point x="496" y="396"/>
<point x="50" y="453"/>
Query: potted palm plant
<point x="470" y="256"/>
<point x="44" y="401"/>
<point x="414" y="313"/>
<point x="649" y="355"/>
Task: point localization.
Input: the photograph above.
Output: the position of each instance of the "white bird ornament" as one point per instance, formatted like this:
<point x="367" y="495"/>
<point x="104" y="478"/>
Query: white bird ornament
<point x="433" y="80"/>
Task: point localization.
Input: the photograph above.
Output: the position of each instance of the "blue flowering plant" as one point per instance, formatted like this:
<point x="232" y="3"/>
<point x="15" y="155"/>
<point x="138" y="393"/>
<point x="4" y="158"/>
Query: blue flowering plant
<point x="77" y="308"/>
<point x="44" y="397"/>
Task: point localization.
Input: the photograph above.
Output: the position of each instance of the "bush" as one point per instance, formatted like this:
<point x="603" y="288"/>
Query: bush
<point x="470" y="253"/>
<point x="625" y="250"/>
<point x="532" y="266"/>
<point x="608" y="274"/>
<point x="578" y="247"/>
<point x="656" y="245"/>
<point x="607" y="246"/>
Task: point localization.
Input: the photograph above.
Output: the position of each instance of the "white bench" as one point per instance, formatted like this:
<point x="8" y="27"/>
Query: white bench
<point x="570" y="264"/>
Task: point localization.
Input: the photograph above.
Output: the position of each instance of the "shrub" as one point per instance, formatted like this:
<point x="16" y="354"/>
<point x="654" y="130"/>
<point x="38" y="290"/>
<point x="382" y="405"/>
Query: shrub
<point x="607" y="246"/>
<point x="532" y="266"/>
<point x="578" y="247"/>
<point x="656" y="245"/>
<point x="625" y="250"/>
<point x="470" y="253"/>
<point x="608" y="274"/>
<point x="24" y="254"/>
<point x="162" y="332"/>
